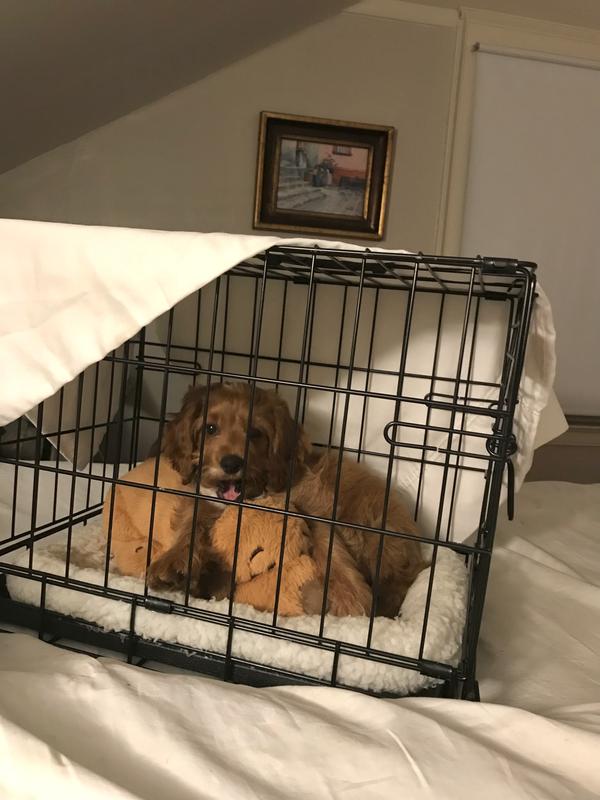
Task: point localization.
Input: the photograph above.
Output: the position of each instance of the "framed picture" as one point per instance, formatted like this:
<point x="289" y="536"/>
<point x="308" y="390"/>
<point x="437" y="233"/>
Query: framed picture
<point x="322" y="176"/>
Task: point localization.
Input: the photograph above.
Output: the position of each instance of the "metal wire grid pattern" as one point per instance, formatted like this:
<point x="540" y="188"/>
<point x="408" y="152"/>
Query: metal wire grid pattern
<point x="211" y="356"/>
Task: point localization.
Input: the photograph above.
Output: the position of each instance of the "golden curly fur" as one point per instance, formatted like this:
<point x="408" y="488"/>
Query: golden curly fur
<point x="279" y="453"/>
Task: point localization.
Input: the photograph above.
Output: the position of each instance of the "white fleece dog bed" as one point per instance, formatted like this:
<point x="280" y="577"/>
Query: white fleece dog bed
<point x="401" y="636"/>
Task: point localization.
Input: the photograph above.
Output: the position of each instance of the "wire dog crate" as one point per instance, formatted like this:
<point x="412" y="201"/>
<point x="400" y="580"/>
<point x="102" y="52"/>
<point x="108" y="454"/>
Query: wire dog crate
<point x="409" y="364"/>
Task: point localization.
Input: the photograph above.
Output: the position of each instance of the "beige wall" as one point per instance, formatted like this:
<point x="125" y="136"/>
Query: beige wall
<point x="188" y="161"/>
<point x="583" y="13"/>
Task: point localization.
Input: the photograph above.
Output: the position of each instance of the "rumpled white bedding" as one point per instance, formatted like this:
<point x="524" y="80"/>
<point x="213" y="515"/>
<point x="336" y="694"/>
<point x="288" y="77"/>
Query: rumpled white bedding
<point x="74" y="727"/>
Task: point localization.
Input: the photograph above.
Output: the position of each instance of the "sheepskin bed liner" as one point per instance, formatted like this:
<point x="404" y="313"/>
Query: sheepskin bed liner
<point x="401" y="636"/>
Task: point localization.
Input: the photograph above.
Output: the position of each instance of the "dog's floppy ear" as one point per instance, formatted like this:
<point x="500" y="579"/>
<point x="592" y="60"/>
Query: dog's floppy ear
<point x="178" y="442"/>
<point x="288" y="448"/>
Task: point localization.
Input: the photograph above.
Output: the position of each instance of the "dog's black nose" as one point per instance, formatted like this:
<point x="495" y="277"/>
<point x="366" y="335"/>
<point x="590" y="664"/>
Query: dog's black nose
<point x="231" y="464"/>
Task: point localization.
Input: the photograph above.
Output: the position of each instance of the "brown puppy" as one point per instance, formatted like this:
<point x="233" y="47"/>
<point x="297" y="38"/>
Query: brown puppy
<point x="278" y="454"/>
<point x="206" y="445"/>
<point x="360" y="501"/>
<point x="224" y="438"/>
<point x="216" y="421"/>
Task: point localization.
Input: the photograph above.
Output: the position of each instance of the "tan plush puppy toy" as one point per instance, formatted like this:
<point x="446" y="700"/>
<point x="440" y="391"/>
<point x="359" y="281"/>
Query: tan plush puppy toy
<point x="259" y="552"/>
<point x="129" y="515"/>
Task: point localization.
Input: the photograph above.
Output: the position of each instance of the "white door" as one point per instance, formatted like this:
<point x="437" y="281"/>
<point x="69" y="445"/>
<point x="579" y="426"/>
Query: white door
<point x="533" y="192"/>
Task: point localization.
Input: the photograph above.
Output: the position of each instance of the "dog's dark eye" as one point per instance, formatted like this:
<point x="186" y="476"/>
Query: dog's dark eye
<point x="211" y="429"/>
<point x="254" y="433"/>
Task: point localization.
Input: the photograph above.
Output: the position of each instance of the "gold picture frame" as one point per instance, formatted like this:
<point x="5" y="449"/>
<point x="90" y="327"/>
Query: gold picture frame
<point x="322" y="176"/>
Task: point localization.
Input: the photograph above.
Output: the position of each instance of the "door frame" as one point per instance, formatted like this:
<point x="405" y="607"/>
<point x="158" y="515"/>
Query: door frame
<point x="499" y="33"/>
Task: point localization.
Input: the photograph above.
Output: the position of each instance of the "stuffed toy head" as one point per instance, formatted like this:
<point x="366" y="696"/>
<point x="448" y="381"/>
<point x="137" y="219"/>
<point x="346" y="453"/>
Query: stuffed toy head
<point x="261" y="533"/>
<point x="259" y="552"/>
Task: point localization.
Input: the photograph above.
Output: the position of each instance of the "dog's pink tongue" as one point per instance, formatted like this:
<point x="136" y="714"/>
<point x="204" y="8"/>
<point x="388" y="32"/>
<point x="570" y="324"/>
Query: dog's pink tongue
<point x="231" y="493"/>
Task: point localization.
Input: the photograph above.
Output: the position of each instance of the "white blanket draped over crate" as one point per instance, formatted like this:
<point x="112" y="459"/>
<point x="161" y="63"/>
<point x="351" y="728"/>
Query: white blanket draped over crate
<point x="71" y="294"/>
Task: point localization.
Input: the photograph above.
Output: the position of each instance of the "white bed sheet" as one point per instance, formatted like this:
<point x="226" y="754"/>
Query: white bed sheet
<point x="74" y="727"/>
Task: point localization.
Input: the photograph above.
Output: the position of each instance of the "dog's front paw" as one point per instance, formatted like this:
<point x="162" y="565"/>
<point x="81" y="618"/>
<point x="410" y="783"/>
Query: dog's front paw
<point x="170" y="571"/>
<point x="312" y="597"/>
<point x="214" y="583"/>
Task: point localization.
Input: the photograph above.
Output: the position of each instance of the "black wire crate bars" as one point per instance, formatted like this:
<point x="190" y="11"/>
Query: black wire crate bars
<point x="399" y="370"/>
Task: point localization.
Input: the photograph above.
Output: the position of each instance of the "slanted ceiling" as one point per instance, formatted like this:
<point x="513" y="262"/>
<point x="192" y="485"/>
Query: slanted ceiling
<point x="68" y="66"/>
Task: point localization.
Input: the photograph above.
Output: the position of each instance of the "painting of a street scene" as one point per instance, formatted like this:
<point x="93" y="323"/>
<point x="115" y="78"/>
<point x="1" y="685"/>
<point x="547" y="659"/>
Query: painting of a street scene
<point x="322" y="177"/>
